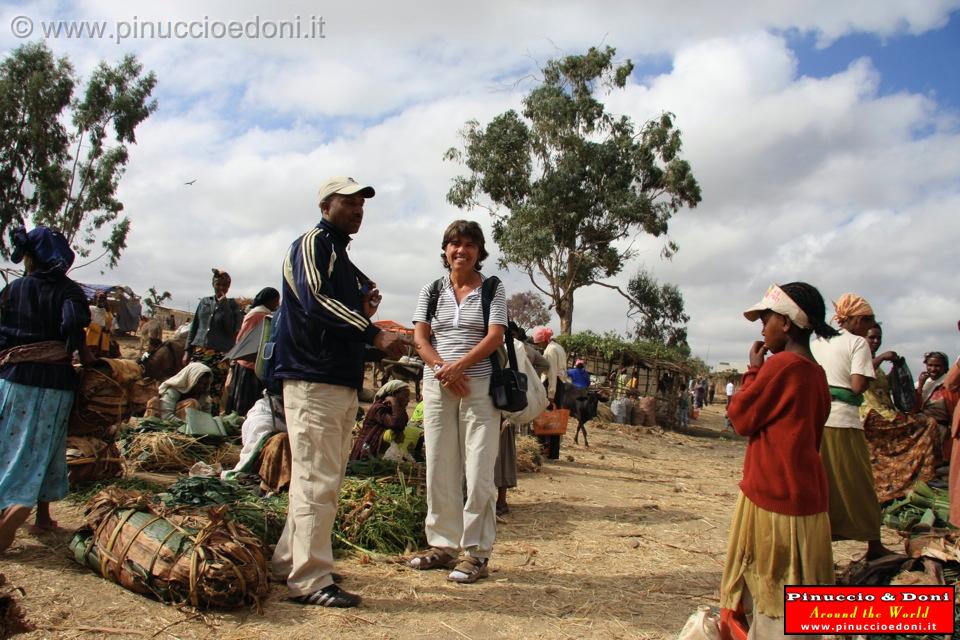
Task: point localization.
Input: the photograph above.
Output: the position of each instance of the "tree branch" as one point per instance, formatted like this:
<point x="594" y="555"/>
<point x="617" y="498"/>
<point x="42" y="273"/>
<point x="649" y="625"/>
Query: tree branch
<point x="73" y="177"/>
<point x="88" y="263"/>
<point x="538" y="287"/>
<point x="623" y="293"/>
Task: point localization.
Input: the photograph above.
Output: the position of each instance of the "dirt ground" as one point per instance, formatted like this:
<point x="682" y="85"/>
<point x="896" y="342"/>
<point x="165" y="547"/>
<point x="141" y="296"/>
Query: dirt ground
<point x="621" y="540"/>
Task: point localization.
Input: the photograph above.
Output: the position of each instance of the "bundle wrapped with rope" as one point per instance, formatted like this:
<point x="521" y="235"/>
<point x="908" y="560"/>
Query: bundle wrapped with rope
<point x="91" y="459"/>
<point x="103" y="397"/>
<point x="205" y="560"/>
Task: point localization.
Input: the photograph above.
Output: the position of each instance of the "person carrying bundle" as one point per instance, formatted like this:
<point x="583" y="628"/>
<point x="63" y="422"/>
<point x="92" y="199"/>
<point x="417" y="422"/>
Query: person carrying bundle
<point x="782" y="407"/>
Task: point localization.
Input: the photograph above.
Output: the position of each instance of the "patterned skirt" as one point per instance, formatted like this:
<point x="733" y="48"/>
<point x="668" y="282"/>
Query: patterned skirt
<point x="902" y="451"/>
<point x="33" y="446"/>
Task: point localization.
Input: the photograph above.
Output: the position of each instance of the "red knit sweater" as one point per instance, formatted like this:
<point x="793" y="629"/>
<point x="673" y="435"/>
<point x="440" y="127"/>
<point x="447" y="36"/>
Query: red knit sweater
<point x="782" y="406"/>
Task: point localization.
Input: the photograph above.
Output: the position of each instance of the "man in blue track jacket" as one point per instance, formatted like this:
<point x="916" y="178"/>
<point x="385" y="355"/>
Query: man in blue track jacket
<point x="322" y="329"/>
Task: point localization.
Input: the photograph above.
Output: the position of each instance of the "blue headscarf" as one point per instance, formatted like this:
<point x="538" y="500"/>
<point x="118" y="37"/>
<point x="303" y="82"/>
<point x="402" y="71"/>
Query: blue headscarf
<point x="49" y="247"/>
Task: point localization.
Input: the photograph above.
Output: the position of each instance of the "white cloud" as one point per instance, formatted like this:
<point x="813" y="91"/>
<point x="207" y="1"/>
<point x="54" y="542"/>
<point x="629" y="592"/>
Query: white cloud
<point x="820" y="179"/>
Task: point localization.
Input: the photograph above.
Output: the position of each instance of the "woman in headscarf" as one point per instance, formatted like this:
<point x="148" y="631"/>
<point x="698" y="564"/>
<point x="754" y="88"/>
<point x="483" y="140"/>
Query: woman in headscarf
<point x="934" y="398"/>
<point x="213" y="332"/>
<point x="42" y="318"/>
<point x="903" y="448"/>
<point x="854" y="508"/>
<point x="187" y="389"/>
<point x="388" y="412"/>
<point x="245" y="387"/>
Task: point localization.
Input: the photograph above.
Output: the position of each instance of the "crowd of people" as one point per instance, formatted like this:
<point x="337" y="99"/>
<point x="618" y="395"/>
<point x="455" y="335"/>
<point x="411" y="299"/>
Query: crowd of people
<point x="825" y="447"/>
<point x="826" y="431"/>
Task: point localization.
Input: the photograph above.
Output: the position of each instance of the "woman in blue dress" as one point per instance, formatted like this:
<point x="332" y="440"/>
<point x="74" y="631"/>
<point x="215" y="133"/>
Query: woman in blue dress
<point x="42" y="318"/>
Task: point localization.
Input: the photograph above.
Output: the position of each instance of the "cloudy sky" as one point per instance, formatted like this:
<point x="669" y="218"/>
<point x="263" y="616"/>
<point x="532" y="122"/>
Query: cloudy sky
<point x="824" y="136"/>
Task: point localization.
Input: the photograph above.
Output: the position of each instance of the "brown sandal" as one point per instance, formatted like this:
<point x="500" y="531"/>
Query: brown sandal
<point x="469" y="570"/>
<point x="432" y="558"/>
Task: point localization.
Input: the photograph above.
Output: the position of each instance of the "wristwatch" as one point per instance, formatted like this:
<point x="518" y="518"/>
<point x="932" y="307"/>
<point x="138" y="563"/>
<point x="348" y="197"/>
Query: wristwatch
<point x="437" y="367"/>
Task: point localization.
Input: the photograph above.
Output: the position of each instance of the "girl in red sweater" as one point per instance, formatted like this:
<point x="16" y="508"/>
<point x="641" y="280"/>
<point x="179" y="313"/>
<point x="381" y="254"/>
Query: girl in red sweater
<point x="780" y="533"/>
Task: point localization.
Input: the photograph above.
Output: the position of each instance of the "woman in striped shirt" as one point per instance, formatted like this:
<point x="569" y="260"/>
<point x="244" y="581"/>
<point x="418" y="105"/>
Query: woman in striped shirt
<point x="461" y="425"/>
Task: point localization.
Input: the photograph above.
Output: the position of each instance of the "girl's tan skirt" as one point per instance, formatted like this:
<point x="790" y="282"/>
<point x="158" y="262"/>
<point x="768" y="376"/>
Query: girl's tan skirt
<point x="768" y="550"/>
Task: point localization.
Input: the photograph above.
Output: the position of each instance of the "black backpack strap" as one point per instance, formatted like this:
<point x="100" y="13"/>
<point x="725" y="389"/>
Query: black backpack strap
<point x="487" y="290"/>
<point x="434" y="298"/>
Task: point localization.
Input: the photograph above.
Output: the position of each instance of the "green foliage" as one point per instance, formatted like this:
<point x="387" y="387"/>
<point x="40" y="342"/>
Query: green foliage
<point x="67" y="179"/>
<point x="528" y="309"/>
<point x="660" y="310"/>
<point x="378" y="516"/>
<point x="567" y="182"/>
<point x="611" y="346"/>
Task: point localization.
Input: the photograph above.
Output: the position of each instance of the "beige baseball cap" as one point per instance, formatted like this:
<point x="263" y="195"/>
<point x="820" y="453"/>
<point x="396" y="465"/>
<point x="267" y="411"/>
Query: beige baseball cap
<point x="775" y="299"/>
<point x="344" y="186"/>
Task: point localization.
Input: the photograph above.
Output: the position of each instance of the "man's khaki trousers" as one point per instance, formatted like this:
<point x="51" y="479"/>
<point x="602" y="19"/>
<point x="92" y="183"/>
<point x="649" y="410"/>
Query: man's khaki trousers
<point x="320" y="419"/>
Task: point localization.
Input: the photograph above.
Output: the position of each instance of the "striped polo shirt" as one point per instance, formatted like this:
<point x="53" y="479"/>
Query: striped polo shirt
<point x="459" y="328"/>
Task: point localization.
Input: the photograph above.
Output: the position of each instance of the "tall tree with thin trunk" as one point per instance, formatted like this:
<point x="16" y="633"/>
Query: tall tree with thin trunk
<point x="62" y="156"/>
<point x="567" y="182"/>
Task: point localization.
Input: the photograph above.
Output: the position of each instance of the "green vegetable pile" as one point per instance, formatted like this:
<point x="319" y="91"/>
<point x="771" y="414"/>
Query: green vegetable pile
<point x="264" y="517"/>
<point x="923" y="505"/>
<point x="376" y="516"/>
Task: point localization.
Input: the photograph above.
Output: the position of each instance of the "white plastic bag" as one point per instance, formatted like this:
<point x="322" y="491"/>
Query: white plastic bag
<point x="536" y="394"/>
<point x="704" y="624"/>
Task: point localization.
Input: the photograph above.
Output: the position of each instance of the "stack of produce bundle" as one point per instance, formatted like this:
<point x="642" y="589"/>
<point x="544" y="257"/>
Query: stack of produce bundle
<point x="103" y="402"/>
<point x="205" y="560"/>
<point x="100" y="403"/>
<point x="91" y="459"/>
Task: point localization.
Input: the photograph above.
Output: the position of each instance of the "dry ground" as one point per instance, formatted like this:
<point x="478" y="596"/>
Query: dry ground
<point x="621" y="540"/>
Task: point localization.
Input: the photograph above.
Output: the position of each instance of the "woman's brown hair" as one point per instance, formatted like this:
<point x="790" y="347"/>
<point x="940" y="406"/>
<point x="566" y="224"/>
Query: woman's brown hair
<point x="464" y="229"/>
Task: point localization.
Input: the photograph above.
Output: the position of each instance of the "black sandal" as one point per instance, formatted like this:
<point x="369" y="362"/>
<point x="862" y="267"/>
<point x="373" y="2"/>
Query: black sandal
<point x="332" y="596"/>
